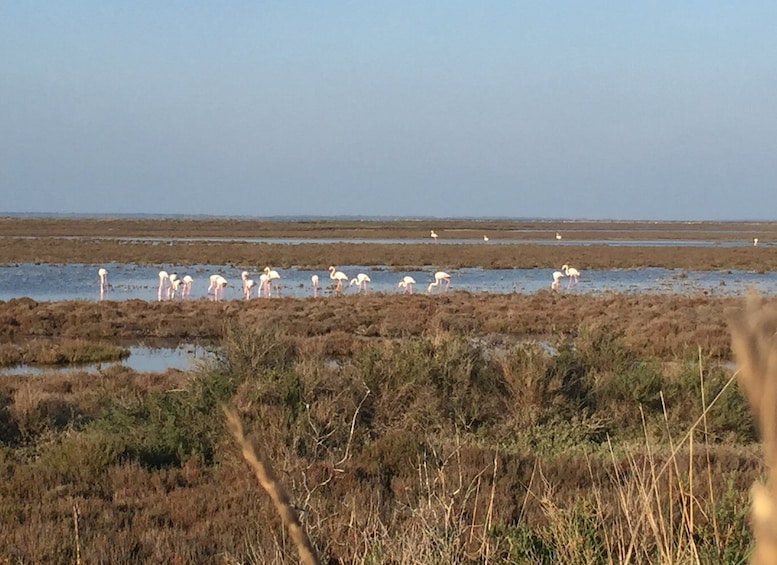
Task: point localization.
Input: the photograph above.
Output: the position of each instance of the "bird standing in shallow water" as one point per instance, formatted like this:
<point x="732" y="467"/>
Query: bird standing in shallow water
<point x="406" y="284"/>
<point x="164" y="279"/>
<point x="433" y="235"/>
<point x="102" y="274"/>
<point x="361" y="280"/>
<point x="314" y="280"/>
<point x="572" y="273"/>
<point x="440" y="277"/>
<point x="557" y="275"/>
<point x="338" y="276"/>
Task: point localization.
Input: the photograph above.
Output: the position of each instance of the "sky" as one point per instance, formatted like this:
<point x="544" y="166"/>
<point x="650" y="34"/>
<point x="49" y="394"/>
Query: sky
<point x="568" y="109"/>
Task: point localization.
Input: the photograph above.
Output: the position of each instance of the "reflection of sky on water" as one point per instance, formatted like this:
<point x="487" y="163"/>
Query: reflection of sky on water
<point x="45" y="281"/>
<point x="142" y="359"/>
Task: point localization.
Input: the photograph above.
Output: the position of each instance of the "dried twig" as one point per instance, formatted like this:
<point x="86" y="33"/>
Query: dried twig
<point x="266" y="476"/>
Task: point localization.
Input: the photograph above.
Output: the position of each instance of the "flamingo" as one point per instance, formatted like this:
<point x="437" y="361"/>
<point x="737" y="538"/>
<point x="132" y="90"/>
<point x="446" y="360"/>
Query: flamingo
<point x="558" y="236"/>
<point x="406" y="284"/>
<point x="164" y="278"/>
<point x="103" y="276"/>
<point x="248" y="284"/>
<point x="434" y="236"/>
<point x="755" y="241"/>
<point x="272" y="276"/>
<point x="314" y="280"/>
<point x="361" y="279"/>
<point x="338" y="276"/>
<point x="187" y="286"/>
<point x="556" y="278"/>
<point x="217" y="283"/>
<point x="174" y="284"/>
<point x="572" y="273"/>
<point x="485" y="238"/>
<point x="440" y="277"/>
<point x="264" y="285"/>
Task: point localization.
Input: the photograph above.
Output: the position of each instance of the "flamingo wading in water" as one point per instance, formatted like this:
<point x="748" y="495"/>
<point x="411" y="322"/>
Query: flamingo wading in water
<point x="572" y="273"/>
<point x="314" y="281"/>
<point x="406" y="284"/>
<point x="102" y="274"/>
<point x="338" y="276"/>
<point x="164" y="279"/>
<point x="217" y="284"/>
<point x="557" y="275"/>
<point x="361" y="280"/>
<point x="187" y="286"/>
<point x="440" y="277"/>
<point x="248" y="284"/>
<point x="272" y="276"/>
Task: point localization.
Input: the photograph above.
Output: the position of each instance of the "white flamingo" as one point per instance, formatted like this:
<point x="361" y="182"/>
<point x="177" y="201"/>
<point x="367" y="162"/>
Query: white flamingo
<point x="173" y="286"/>
<point x="572" y="273"/>
<point x="102" y="274"/>
<point x="187" y="286"/>
<point x="485" y="238"/>
<point x="557" y="275"/>
<point x="433" y="235"/>
<point x="264" y="285"/>
<point x="338" y="276"/>
<point x="272" y="276"/>
<point x="248" y="284"/>
<point x="217" y="284"/>
<point x="361" y="280"/>
<point x="314" y="280"/>
<point x="558" y="236"/>
<point x="164" y="279"/>
<point x="406" y="284"/>
<point x="755" y="241"/>
<point x="440" y="277"/>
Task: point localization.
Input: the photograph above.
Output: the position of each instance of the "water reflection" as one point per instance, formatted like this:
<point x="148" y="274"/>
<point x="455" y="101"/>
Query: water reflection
<point x="142" y="359"/>
<point x="49" y="282"/>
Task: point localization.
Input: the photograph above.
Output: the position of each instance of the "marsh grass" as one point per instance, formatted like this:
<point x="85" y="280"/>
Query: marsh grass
<point x="418" y="448"/>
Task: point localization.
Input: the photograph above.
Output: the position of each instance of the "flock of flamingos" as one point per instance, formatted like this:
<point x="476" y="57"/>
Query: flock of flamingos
<point x="171" y="286"/>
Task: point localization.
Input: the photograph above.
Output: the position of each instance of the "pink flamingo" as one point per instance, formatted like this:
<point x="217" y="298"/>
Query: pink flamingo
<point x="164" y="279"/>
<point x="272" y="276"/>
<point x="434" y="236"/>
<point x="406" y="284"/>
<point x="556" y="278"/>
<point x="187" y="286"/>
<point x="338" y="276"/>
<point x="217" y="284"/>
<point x="248" y="284"/>
<point x="314" y="280"/>
<point x="103" y="276"/>
<point x="361" y="280"/>
<point x="174" y="283"/>
<point x="572" y="273"/>
<point x="440" y="277"/>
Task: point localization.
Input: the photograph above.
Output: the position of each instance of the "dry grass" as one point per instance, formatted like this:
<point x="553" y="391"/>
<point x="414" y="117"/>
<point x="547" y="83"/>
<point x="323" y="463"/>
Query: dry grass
<point x="754" y="333"/>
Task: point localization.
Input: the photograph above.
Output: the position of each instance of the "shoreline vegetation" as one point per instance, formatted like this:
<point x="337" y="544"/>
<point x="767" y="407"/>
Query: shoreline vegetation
<point x="457" y="428"/>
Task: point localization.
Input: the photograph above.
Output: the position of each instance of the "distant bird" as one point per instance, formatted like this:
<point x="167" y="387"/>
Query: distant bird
<point x="314" y="280"/>
<point x="187" y="286"/>
<point x="102" y="274"/>
<point x="572" y="273"/>
<point x="485" y="238"/>
<point x="406" y="284"/>
<point x="264" y="285"/>
<point x="440" y="277"/>
<point x="164" y="279"/>
<point x="272" y="276"/>
<point x="557" y="275"/>
<point x="338" y="276"/>
<point x="173" y="286"/>
<point x="217" y="284"/>
<point x="558" y="236"/>
<point x="434" y="236"/>
<point x="361" y="280"/>
<point x="248" y="284"/>
<point x="755" y="241"/>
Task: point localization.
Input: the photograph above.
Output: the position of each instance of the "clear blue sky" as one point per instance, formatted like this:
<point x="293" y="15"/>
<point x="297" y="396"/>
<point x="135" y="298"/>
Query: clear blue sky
<point x="586" y="109"/>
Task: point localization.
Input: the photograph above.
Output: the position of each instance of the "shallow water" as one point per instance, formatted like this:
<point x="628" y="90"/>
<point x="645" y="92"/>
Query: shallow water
<point x="50" y="282"/>
<point x="141" y="359"/>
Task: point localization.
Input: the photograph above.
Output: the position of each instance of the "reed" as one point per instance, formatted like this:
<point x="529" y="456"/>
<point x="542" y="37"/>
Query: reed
<point x="754" y="335"/>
